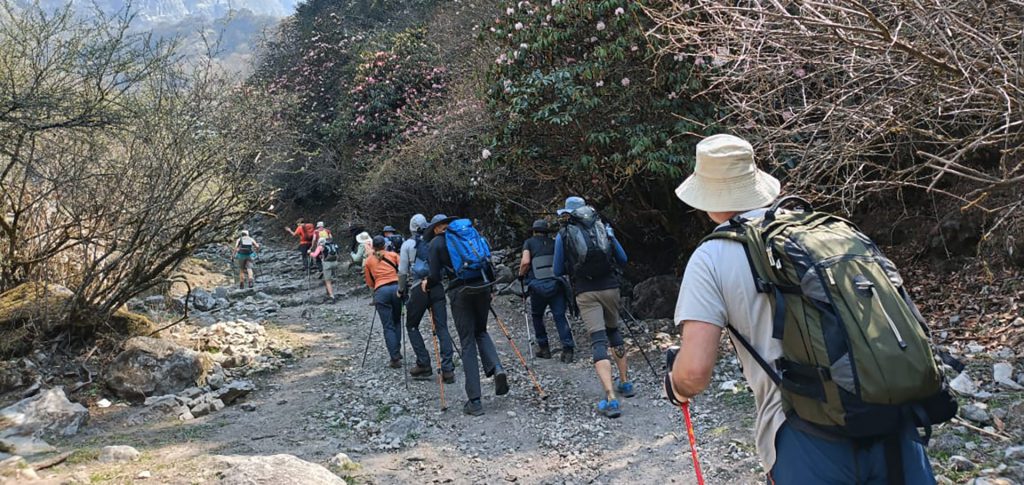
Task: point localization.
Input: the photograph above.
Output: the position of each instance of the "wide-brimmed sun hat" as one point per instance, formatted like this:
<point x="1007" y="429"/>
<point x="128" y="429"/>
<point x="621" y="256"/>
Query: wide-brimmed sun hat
<point x="572" y="203"/>
<point x="388" y="229"/>
<point x="726" y="179"/>
<point x="438" y="219"/>
<point x="540" y="225"/>
<point x="363" y="238"/>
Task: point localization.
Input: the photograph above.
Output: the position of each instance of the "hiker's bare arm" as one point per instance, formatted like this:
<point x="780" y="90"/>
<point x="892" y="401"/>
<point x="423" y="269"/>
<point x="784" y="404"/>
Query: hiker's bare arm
<point x="698" y="351"/>
<point x="524" y="265"/>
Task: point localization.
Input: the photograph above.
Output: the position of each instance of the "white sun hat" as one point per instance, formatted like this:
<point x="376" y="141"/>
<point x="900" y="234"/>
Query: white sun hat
<point x="726" y="179"/>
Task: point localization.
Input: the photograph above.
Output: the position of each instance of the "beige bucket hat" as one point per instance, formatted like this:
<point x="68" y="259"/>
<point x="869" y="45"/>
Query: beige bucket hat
<point x="725" y="178"/>
<point x="363" y="238"/>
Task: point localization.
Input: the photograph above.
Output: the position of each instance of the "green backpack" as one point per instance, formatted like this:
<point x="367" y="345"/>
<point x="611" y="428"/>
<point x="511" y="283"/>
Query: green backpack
<point x="857" y="360"/>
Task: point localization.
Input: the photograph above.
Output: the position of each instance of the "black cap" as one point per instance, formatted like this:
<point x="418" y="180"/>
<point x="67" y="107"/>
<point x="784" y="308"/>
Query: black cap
<point x="378" y="242"/>
<point x="541" y="225"/>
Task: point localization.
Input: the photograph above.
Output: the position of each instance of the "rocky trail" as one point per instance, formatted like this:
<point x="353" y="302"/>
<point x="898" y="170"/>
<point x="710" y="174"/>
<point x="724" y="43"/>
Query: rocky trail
<point x="288" y="402"/>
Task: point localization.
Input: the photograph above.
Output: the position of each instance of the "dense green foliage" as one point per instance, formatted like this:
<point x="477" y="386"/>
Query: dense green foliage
<point x="580" y="92"/>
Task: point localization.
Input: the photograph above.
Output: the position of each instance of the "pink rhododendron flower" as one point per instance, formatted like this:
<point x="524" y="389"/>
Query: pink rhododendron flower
<point x="519" y="26"/>
<point x="600" y="26"/>
<point x="620" y="11"/>
<point x="599" y="84"/>
<point x="510" y="11"/>
<point x="625" y="81"/>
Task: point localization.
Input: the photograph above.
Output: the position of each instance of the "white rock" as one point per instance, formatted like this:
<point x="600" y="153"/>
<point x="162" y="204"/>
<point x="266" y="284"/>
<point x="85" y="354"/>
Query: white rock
<point x="103" y="404"/>
<point x="25" y="445"/>
<point x="144" y="475"/>
<point x="1003" y="374"/>
<point x="118" y="453"/>
<point x="963" y="384"/>
<point x="729" y="385"/>
<point x="49" y="411"/>
<point x="283" y="469"/>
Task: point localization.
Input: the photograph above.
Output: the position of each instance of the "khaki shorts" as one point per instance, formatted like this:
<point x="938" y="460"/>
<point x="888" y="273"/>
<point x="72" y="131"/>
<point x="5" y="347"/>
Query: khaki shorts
<point x="599" y="309"/>
<point x="329" y="268"/>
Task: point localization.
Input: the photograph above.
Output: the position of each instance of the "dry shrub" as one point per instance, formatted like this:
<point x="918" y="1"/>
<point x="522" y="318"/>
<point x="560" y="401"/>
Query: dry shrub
<point x="117" y="158"/>
<point x="851" y="98"/>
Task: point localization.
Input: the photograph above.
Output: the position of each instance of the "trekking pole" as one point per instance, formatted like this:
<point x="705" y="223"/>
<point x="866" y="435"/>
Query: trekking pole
<point x="685" y="407"/>
<point x="403" y="333"/>
<point x="636" y="342"/>
<point x="437" y="355"/>
<point x="526" y="319"/>
<point x="533" y="377"/>
<point x="670" y="357"/>
<point x="369" y="337"/>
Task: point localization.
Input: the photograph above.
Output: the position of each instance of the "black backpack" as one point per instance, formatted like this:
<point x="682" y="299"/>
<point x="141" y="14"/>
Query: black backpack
<point x="331" y="250"/>
<point x="589" y="249"/>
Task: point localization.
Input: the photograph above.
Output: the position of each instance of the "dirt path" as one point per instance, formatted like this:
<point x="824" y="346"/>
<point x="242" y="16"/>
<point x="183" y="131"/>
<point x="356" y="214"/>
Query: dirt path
<point x="323" y="402"/>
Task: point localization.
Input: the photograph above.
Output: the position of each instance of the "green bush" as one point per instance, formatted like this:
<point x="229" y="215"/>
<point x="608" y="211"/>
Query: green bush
<point x="582" y="93"/>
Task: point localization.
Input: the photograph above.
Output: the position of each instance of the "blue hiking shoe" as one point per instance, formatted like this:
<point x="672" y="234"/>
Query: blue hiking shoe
<point x="625" y="388"/>
<point x="609" y="408"/>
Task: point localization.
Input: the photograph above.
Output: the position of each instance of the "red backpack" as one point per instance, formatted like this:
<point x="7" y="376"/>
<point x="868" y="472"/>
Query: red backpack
<point x="307" y="232"/>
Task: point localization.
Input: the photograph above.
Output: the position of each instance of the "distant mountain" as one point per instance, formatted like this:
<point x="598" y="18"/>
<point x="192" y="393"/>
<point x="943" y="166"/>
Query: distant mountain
<point x="236" y="26"/>
<point x="163" y="11"/>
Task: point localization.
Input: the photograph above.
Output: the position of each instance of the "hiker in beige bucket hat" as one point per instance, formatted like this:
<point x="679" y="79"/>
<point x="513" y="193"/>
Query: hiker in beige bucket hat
<point x="726" y="179"/>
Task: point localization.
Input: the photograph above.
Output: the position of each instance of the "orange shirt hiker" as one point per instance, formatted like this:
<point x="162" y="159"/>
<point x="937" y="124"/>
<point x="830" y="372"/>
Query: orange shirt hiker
<point x="381" y="269"/>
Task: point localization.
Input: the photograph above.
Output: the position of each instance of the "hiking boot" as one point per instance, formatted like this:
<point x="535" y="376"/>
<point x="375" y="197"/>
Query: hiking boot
<point x="448" y="377"/>
<point x="473" y="408"/>
<point x="625" y="388"/>
<point x="241" y="285"/>
<point x="543" y="352"/>
<point x="609" y="409"/>
<point x="420" y="372"/>
<point x="500" y="384"/>
<point x="395" y="363"/>
<point x="568" y="355"/>
<point x="250" y="284"/>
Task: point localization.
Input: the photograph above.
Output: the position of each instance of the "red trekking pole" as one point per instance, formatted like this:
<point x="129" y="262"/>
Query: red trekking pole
<point x="693" y="441"/>
<point x="670" y="358"/>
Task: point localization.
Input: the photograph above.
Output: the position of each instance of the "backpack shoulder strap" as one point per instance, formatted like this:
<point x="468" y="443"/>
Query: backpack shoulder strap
<point x="748" y="234"/>
<point x="757" y="356"/>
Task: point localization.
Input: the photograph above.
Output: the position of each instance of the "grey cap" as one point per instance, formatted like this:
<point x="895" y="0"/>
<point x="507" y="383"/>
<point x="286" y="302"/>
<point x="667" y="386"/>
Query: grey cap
<point x="389" y="229"/>
<point x="572" y="203"/>
<point x="417" y="223"/>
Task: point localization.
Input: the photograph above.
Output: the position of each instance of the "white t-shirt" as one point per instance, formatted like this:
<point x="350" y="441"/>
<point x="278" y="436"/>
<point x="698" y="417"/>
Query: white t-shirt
<point x="718" y="287"/>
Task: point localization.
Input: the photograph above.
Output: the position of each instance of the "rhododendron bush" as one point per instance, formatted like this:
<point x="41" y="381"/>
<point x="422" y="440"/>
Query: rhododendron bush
<point x="392" y="88"/>
<point x="582" y="93"/>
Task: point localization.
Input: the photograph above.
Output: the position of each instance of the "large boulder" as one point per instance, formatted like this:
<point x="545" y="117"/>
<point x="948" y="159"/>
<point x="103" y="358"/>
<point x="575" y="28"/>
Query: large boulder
<point x="249" y="470"/>
<point x="203" y="300"/>
<point x="655" y="297"/>
<point x="153" y="367"/>
<point x="48" y="412"/>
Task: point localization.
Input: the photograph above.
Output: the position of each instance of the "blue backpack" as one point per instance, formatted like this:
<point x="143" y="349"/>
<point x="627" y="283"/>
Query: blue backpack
<point x="469" y="252"/>
<point x="420" y="267"/>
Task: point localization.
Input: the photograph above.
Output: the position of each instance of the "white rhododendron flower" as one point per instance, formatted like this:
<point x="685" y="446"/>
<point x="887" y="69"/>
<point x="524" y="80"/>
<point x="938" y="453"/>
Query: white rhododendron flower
<point x="485" y="154"/>
<point x="620" y="11"/>
<point x="599" y="83"/>
<point x="510" y="11"/>
<point x="625" y="81"/>
<point x="519" y="26"/>
<point x="600" y="26"/>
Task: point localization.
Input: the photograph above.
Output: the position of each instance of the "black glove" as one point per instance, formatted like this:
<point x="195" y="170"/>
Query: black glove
<point x="670" y="358"/>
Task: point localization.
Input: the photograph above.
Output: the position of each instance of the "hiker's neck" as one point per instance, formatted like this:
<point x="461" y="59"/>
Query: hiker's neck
<point x="720" y="217"/>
